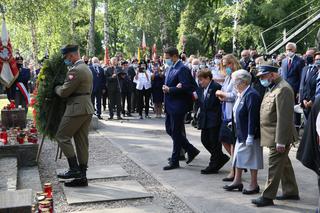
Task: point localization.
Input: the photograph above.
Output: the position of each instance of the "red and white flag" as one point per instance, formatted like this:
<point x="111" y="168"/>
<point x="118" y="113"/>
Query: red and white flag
<point x="9" y="71"/>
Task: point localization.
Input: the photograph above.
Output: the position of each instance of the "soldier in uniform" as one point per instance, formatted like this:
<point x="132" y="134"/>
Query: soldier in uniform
<point x="75" y="123"/>
<point x="277" y="133"/>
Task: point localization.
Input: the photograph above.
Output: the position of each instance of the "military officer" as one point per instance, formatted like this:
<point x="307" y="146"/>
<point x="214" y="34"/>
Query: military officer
<point x="277" y="133"/>
<point x="75" y="123"/>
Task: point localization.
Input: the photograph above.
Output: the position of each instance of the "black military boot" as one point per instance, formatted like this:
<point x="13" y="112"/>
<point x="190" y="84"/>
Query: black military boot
<point x="74" y="170"/>
<point x="79" y="182"/>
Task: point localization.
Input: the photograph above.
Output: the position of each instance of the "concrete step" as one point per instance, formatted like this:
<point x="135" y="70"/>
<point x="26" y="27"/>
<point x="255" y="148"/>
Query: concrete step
<point x="29" y="178"/>
<point x="8" y="173"/>
<point x="19" y="201"/>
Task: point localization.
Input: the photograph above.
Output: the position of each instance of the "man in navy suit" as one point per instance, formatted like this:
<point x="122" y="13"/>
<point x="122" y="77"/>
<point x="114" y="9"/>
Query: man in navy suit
<point x="178" y="89"/>
<point x="308" y="84"/>
<point x="291" y="70"/>
<point x="209" y="121"/>
<point x="99" y="82"/>
<point x="15" y="92"/>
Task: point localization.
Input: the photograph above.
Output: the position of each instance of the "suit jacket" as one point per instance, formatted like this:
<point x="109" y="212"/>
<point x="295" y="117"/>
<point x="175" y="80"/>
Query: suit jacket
<point x="276" y="115"/>
<point x="77" y="89"/>
<point x="292" y="74"/>
<point x="308" y="83"/>
<point x="309" y="151"/>
<point x="209" y="106"/>
<point x="179" y="100"/>
<point x="113" y="84"/>
<point x="99" y="79"/>
<point x="24" y="77"/>
<point x="248" y="115"/>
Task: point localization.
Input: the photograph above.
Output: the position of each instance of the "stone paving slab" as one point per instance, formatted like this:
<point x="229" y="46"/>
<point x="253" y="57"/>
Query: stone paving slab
<point x="29" y="178"/>
<point x="140" y="209"/>
<point x="19" y="201"/>
<point x="8" y="173"/>
<point x="105" y="191"/>
<point x="102" y="172"/>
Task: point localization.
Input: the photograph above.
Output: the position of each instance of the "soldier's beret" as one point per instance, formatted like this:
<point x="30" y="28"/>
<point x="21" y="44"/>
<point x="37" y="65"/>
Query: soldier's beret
<point x="267" y="68"/>
<point x="70" y="48"/>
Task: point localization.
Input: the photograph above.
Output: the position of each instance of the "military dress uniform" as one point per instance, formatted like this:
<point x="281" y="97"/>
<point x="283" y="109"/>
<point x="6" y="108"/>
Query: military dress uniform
<point x="277" y="129"/>
<point x="76" y="120"/>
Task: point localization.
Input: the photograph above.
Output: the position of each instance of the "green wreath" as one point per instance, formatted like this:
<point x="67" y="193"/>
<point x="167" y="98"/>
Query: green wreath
<point x="49" y="108"/>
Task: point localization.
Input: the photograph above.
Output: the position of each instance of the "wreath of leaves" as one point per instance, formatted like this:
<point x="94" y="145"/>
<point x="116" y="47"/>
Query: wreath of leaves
<point x="49" y="108"/>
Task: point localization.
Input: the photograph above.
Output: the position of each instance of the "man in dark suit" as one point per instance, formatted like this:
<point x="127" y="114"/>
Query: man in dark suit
<point x="245" y="60"/>
<point x="99" y="82"/>
<point x="209" y="121"/>
<point x="178" y="89"/>
<point x="131" y="74"/>
<point x="126" y="89"/>
<point x="308" y="84"/>
<point x="291" y="69"/>
<point x="114" y="88"/>
<point x="19" y="90"/>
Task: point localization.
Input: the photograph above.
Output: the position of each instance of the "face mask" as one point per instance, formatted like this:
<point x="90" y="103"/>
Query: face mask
<point x="228" y="71"/>
<point x="168" y="62"/>
<point x="195" y="67"/>
<point x="217" y="61"/>
<point x="202" y="66"/>
<point x="265" y="82"/>
<point x="68" y="62"/>
<point x="309" y="60"/>
<point x="317" y="62"/>
<point x="19" y="65"/>
<point x="290" y="54"/>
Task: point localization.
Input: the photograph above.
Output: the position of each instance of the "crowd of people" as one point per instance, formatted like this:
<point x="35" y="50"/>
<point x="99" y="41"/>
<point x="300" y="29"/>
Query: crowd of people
<point x="239" y="104"/>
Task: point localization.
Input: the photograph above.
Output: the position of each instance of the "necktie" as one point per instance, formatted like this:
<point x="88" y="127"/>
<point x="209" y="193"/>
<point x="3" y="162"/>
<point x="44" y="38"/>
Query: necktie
<point x="289" y="63"/>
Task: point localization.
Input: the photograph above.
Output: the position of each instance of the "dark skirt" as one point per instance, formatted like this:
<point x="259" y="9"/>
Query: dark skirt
<point x="226" y="135"/>
<point x="157" y="95"/>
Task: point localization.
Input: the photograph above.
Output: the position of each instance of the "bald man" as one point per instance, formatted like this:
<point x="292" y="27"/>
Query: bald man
<point x="245" y="60"/>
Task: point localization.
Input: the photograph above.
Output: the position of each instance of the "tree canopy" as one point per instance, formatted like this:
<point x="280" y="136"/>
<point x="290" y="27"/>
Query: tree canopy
<point x="38" y="27"/>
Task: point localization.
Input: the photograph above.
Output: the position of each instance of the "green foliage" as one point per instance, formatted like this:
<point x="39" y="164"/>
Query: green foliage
<point x="49" y="107"/>
<point x="163" y="21"/>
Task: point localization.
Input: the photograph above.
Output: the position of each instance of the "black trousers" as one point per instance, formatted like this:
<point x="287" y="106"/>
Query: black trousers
<point x="114" y="103"/>
<point x="143" y="100"/>
<point x="176" y="129"/>
<point x="104" y="100"/>
<point x="96" y="101"/>
<point x="210" y="140"/>
<point x="134" y="100"/>
<point x="126" y="97"/>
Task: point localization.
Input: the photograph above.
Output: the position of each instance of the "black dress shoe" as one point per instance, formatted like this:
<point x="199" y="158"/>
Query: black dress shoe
<point x="181" y="158"/>
<point x="79" y="182"/>
<point x="209" y="170"/>
<point x="111" y="118"/>
<point x="227" y="179"/>
<point x="119" y="118"/>
<point x="262" y="201"/>
<point x="288" y="197"/>
<point x="238" y="187"/>
<point x="192" y="156"/>
<point x="99" y="117"/>
<point x="70" y="174"/>
<point x="251" y="192"/>
<point x="171" y="166"/>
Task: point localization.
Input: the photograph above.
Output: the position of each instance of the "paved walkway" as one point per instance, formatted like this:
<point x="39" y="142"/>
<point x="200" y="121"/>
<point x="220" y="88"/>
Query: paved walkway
<point x="146" y="142"/>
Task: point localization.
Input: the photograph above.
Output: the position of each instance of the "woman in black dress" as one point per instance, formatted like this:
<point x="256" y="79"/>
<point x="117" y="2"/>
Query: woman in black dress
<point x="157" y="93"/>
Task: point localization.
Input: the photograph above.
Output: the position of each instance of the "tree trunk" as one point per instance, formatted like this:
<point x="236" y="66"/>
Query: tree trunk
<point x="106" y="24"/>
<point x="163" y="27"/>
<point x="34" y="42"/>
<point x="318" y="40"/>
<point x="74" y="5"/>
<point x="91" y="46"/>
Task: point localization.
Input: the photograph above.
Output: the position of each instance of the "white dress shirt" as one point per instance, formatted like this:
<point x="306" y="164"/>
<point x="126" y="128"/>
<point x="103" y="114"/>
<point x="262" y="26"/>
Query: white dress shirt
<point x="143" y="82"/>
